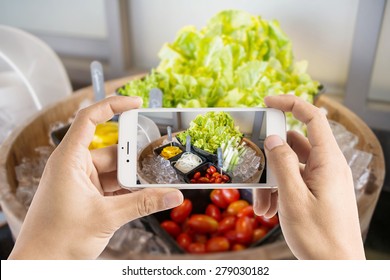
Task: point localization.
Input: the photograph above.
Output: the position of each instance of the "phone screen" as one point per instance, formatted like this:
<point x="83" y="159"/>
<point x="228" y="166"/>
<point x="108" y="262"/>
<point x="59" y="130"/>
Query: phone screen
<point x="198" y="147"/>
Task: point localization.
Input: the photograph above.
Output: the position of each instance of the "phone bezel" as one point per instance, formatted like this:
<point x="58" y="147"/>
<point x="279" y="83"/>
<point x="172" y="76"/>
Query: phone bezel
<point x="127" y="142"/>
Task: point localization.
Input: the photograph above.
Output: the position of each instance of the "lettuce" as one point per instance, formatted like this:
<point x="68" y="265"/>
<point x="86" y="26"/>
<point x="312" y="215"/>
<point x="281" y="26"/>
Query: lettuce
<point x="234" y="61"/>
<point x="209" y="131"/>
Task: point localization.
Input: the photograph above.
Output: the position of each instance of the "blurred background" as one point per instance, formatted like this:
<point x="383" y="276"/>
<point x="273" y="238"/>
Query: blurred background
<point x="346" y="43"/>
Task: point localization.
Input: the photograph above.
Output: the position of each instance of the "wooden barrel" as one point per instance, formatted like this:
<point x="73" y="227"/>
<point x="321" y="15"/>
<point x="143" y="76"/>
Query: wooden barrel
<point x="35" y="133"/>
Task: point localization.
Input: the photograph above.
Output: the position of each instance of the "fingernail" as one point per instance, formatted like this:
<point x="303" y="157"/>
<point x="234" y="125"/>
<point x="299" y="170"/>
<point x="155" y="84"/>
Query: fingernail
<point x="265" y="100"/>
<point x="257" y="209"/>
<point x="173" y="199"/>
<point x="272" y="142"/>
<point x="138" y="99"/>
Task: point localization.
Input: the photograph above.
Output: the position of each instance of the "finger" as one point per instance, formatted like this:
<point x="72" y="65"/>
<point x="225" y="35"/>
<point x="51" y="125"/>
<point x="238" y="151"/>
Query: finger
<point x="284" y="164"/>
<point x="83" y="127"/>
<point x="262" y="201"/>
<point x="299" y="144"/>
<point x="128" y="207"/>
<point x="105" y="159"/>
<point x="273" y="207"/>
<point x="109" y="182"/>
<point x="318" y="129"/>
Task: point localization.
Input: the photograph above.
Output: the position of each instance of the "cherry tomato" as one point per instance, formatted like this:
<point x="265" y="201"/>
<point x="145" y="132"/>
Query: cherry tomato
<point x="212" y="180"/>
<point x="187" y="229"/>
<point x="218" y="180"/>
<point x="238" y="247"/>
<point x="227" y="224"/>
<point x="236" y="206"/>
<point x="216" y="175"/>
<point x="217" y="244"/>
<point x="259" y="233"/>
<point x="181" y="212"/>
<point x="217" y="198"/>
<point x="204" y="180"/>
<point x="231" y="235"/>
<point x="196" y="248"/>
<point x="184" y="240"/>
<point x="225" y="178"/>
<point x="171" y="227"/>
<point x="212" y="169"/>
<point x="230" y="195"/>
<point x="268" y="222"/>
<point x="203" y="223"/>
<point x="208" y="176"/>
<point x="208" y="171"/>
<point x="246" y="211"/>
<point x="244" y="230"/>
<point x="197" y="175"/>
<point x="214" y="212"/>
<point x="200" y="238"/>
<point x="193" y="181"/>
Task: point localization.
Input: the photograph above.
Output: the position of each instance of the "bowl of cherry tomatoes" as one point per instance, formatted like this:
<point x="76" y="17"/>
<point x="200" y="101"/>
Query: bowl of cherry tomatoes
<point x="207" y="173"/>
<point x="214" y="221"/>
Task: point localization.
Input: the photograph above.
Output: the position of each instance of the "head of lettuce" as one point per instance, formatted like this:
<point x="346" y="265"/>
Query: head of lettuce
<point x="234" y="61"/>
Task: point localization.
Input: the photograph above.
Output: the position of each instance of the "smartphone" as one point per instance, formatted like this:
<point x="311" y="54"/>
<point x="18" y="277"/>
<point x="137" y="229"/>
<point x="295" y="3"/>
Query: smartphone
<point x="197" y="148"/>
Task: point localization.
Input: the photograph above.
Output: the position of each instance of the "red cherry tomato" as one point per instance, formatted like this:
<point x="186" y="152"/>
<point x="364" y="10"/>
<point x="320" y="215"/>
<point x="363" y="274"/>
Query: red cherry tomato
<point x="212" y="169"/>
<point x="184" y="240"/>
<point x="244" y="229"/>
<point x="216" y="175"/>
<point x="236" y="206"/>
<point x="238" y="247"/>
<point x="202" y="223"/>
<point x="197" y="175"/>
<point x="246" y="211"/>
<point x="231" y="235"/>
<point x="193" y="181"/>
<point x="212" y="180"/>
<point x="196" y="248"/>
<point x="204" y="180"/>
<point x="259" y="233"/>
<point x="208" y="171"/>
<point x="171" y="227"/>
<point x="227" y="224"/>
<point x="268" y="222"/>
<point x="230" y="195"/>
<point x="218" y="199"/>
<point x="218" y="180"/>
<point x="217" y="244"/>
<point x="181" y="212"/>
<point x="200" y="238"/>
<point x="214" y="212"/>
<point x="225" y="178"/>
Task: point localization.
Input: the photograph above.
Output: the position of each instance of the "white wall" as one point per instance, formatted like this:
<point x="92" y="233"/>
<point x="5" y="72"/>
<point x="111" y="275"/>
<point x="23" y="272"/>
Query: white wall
<point x="321" y="31"/>
<point x="380" y="84"/>
<point x="84" y="18"/>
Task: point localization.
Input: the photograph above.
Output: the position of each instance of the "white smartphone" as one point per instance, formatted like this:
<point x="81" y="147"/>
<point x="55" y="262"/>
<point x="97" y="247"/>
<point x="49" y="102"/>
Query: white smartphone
<point x="198" y="147"/>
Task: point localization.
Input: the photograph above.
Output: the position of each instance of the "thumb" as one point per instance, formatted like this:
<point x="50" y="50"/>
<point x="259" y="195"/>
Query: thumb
<point x="284" y="164"/>
<point x="142" y="203"/>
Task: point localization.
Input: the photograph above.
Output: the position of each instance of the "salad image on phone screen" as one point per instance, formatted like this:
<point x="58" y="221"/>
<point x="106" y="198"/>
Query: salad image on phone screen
<point x="188" y="153"/>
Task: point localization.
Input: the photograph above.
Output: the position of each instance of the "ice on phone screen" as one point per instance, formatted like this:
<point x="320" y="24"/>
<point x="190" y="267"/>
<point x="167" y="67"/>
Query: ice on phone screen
<point x="217" y="147"/>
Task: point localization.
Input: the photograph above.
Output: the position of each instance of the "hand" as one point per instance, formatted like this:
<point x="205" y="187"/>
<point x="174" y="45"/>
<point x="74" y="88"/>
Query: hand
<point x="316" y="200"/>
<point x="79" y="204"/>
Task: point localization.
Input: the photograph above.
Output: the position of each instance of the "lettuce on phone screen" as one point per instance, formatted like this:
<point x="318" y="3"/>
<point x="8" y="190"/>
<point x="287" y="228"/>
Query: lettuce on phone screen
<point x="239" y="134"/>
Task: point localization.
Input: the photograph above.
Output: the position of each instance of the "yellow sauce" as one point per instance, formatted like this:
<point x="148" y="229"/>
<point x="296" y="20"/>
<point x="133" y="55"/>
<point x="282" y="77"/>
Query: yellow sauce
<point x="170" y="151"/>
